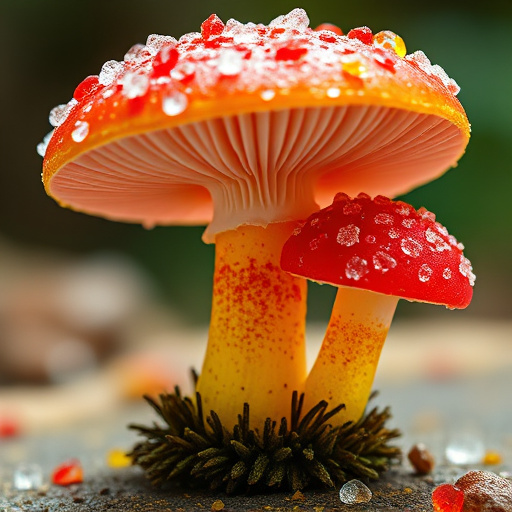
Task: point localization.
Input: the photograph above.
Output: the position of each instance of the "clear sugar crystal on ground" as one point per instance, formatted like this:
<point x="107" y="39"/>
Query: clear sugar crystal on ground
<point x="355" y="491"/>
<point x="27" y="477"/>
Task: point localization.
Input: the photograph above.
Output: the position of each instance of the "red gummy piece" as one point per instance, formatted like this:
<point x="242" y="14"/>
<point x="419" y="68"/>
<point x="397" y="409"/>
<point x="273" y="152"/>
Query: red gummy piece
<point x="86" y="87"/>
<point x="165" y="61"/>
<point x="68" y="473"/>
<point x="364" y="34"/>
<point x="213" y="26"/>
<point x="447" y="498"/>
<point x="9" y="428"/>
<point x="287" y="53"/>
<point x="330" y="27"/>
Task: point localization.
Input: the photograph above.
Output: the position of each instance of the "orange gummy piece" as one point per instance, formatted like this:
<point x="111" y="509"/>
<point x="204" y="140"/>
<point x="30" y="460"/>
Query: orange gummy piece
<point x="68" y="473"/>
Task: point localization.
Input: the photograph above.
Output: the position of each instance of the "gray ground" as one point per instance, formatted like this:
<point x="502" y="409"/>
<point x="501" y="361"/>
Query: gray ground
<point x="439" y="409"/>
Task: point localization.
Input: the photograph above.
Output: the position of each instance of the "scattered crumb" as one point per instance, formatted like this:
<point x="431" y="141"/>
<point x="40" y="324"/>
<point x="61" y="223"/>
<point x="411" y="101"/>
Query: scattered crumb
<point x="492" y="458"/>
<point x="217" y="505"/>
<point x="298" y="496"/>
<point x="421" y="459"/>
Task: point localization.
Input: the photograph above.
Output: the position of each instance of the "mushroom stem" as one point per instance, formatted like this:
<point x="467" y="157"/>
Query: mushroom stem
<point x="346" y="363"/>
<point x="256" y="345"/>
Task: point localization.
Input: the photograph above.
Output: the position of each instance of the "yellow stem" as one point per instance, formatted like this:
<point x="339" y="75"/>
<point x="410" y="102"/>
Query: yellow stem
<point x="345" y="367"/>
<point x="256" y="345"/>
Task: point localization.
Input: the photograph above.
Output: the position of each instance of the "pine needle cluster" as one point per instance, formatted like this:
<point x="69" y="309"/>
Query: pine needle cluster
<point x="198" y="451"/>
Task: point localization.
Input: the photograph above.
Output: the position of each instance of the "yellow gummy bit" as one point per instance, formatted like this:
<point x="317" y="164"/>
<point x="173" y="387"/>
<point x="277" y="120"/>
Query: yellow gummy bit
<point x="390" y="41"/>
<point x="118" y="459"/>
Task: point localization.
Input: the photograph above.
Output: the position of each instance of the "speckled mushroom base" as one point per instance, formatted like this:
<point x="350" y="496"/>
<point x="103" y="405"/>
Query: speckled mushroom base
<point x="198" y="451"/>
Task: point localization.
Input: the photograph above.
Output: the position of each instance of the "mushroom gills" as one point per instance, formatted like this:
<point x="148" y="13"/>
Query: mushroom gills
<point x="257" y="168"/>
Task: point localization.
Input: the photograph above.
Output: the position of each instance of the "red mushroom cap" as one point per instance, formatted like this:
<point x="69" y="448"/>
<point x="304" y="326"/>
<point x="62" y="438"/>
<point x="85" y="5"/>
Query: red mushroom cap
<point x="252" y="124"/>
<point x="384" y="246"/>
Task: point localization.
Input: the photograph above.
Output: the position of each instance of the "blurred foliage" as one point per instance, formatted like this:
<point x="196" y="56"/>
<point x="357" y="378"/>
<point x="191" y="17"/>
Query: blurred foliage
<point x="50" y="45"/>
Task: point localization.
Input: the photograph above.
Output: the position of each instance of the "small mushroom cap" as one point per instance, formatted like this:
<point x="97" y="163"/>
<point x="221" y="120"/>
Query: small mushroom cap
<point x="251" y="124"/>
<point x="384" y="246"/>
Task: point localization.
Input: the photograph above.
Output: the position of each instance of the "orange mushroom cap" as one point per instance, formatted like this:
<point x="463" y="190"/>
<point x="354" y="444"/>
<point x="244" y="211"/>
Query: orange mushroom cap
<point x="252" y="124"/>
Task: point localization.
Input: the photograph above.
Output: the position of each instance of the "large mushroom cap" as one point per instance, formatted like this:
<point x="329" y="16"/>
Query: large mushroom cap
<point x="264" y="121"/>
<point x="383" y="246"/>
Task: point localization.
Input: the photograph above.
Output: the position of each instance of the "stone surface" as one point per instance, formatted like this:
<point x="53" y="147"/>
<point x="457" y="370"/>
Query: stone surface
<point x="127" y="489"/>
<point x="485" y="492"/>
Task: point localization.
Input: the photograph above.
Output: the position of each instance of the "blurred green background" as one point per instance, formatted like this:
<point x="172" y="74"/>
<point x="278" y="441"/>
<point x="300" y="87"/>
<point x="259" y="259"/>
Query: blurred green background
<point x="49" y="46"/>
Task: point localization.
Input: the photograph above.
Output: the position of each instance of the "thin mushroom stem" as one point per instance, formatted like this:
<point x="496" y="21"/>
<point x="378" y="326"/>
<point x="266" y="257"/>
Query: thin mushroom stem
<point x="346" y="363"/>
<point x="256" y="345"/>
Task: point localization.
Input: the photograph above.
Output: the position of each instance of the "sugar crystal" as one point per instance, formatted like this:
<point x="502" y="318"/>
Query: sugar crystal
<point x="156" y="42"/>
<point x="348" y="235"/>
<point x="410" y="247"/>
<point x="58" y="115"/>
<point x="175" y="103"/>
<point x="466" y="270"/>
<point x="408" y="223"/>
<point x="333" y="92"/>
<point x="296" y="19"/>
<point x="424" y="273"/>
<point x="230" y="62"/>
<point x="81" y="131"/>
<point x="109" y="72"/>
<point x="356" y="268"/>
<point x="383" y="262"/>
<point x="465" y="446"/>
<point x="352" y="208"/>
<point x="438" y="71"/>
<point x="439" y="244"/>
<point x="27" y="477"/>
<point x="242" y="34"/>
<point x="135" y="85"/>
<point x="267" y="94"/>
<point x="42" y="146"/>
<point x="419" y="58"/>
<point x="354" y="491"/>
<point x="384" y="218"/>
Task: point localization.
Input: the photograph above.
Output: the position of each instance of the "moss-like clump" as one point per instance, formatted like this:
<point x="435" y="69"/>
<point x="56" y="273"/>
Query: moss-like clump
<point x="196" y="450"/>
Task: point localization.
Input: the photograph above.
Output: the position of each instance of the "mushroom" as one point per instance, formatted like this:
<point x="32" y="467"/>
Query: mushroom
<point x="375" y="251"/>
<point x="250" y="128"/>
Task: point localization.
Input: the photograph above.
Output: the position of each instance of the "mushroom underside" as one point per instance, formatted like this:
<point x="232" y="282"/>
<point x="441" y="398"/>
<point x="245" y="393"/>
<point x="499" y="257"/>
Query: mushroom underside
<point x="265" y="166"/>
